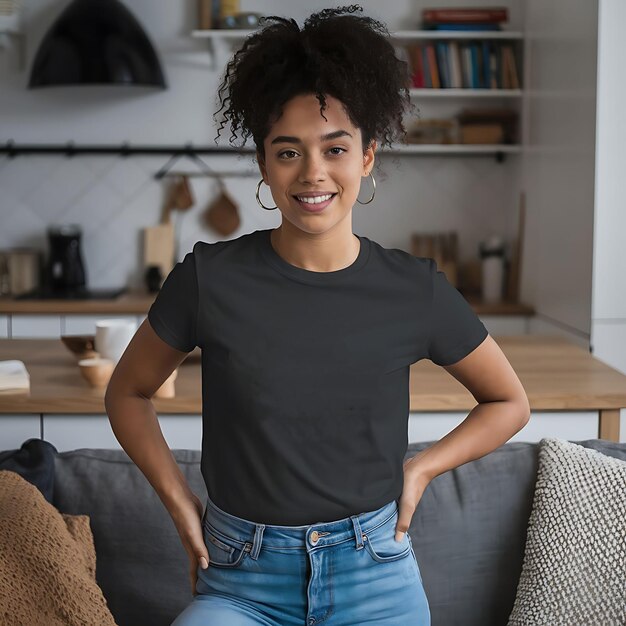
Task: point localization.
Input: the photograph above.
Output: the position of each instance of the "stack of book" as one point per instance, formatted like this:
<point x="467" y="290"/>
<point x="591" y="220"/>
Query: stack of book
<point x="465" y="19"/>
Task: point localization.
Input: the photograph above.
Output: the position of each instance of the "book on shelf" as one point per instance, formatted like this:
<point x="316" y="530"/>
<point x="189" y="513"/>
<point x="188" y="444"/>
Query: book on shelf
<point x="478" y="15"/>
<point x="460" y="27"/>
<point x="432" y="67"/>
<point x="454" y="61"/>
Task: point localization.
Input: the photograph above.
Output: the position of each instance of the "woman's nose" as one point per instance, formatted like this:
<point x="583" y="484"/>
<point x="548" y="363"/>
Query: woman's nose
<point x="312" y="170"/>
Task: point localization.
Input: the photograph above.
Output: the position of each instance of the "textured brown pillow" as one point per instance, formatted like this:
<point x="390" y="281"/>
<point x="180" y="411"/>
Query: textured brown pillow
<point x="47" y="562"/>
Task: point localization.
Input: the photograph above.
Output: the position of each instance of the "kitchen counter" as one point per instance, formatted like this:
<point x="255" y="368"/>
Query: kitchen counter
<point x="557" y="376"/>
<point x="129" y="302"/>
<point x="140" y="301"/>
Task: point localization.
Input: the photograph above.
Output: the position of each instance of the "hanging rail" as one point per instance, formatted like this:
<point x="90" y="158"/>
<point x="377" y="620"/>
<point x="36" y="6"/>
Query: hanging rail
<point x="125" y="149"/>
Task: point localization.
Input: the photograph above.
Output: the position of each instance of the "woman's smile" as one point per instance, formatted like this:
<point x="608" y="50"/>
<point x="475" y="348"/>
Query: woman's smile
<point x="315" y="204"/>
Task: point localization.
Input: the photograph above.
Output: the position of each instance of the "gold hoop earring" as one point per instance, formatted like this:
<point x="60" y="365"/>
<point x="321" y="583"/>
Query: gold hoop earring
<point x="258" y="189"/>
<point x="373" y="194"/>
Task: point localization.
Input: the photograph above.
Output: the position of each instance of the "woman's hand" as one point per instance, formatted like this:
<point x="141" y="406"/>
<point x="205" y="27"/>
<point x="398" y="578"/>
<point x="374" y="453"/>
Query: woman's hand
<point x="416" y="480"/>
<point x="188" y="521"/>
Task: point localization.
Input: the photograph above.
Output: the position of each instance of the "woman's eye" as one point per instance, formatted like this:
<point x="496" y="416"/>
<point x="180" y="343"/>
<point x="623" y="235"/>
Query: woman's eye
<point x="280" y="156"/>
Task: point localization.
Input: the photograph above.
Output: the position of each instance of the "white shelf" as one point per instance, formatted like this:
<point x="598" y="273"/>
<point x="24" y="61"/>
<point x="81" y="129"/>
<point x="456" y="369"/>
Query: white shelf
<point x="415" y="148"/>
<point x="400" y="35"/>
<point x="472" y="93"/>
<point x="227" y="33"/>
<point x="406" y="35"/>
<point x="452" y="148"/>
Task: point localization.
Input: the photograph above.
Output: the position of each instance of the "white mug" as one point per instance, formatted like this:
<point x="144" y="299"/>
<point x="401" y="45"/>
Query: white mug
<point x="113" y="336"/>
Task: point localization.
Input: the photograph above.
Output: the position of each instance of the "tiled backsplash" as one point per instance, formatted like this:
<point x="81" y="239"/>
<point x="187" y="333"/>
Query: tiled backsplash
<point x="113" y="198"/>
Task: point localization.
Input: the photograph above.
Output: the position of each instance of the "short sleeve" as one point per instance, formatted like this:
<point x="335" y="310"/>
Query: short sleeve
<point x="455" y="329"/>
<point x="174" y="311"/>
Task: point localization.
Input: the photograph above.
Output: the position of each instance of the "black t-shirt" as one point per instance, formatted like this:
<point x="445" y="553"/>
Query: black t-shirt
<point x="305" y="375"/>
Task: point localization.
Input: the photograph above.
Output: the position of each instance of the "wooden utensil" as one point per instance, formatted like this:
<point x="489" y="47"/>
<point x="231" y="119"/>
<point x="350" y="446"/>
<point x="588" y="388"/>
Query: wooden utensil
<point x="181" y="195"/>
<point x="159" y="241"/>
<point x="222" y="214"/>
<point x="158" y="247"/>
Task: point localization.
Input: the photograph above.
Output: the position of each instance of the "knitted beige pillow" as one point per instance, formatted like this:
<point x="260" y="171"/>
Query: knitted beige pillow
<point x="47" y="562"/>
<point x="574" y="569"/>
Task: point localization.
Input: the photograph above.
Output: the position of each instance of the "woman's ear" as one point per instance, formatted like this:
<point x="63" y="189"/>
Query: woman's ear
<point x="368" y="157"/>
<point x="261" y="163"/>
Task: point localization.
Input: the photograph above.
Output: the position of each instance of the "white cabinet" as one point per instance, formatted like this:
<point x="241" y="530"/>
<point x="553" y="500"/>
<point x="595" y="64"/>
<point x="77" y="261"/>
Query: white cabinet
<point x="70" y="432"/>
<point x="86" y="324"/>
<point x="24" y="326"/>
<point x="573" y="425"/>
<point x="52" y="326"/>
<point x="16" y="429"/>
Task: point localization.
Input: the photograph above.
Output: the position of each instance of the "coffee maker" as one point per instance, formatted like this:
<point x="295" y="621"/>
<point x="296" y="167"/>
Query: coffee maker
<point x="65" y="270"/>
<point x="64" y="274"/>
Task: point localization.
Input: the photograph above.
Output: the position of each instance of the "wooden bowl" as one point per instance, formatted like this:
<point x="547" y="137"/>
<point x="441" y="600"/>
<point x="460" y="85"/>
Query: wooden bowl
<point x="96" y="371"/>
<point x="81" y="346"/>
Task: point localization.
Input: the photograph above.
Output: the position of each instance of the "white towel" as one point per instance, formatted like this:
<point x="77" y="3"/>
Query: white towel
<point x="13" y="376"/>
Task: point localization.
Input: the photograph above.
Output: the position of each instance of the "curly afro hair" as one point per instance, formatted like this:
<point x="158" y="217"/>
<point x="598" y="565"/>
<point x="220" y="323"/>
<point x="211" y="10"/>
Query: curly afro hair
<point x="346" y="56"/>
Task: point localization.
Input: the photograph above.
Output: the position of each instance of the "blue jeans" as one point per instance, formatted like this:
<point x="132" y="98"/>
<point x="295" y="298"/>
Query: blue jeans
<point x="347" y="572"/>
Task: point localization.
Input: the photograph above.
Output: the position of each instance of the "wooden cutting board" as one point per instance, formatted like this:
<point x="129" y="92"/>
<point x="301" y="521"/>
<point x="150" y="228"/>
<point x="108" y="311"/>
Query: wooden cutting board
<point x="158" y="247"/>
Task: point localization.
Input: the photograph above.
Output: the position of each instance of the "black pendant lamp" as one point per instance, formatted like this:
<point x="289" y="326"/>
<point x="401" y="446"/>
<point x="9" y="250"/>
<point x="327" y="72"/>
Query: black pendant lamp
<point x="96" y="42"/>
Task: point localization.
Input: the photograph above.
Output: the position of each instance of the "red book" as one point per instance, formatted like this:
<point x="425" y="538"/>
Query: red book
<point x="467" y="16"/>
<point x="415" y="54"/>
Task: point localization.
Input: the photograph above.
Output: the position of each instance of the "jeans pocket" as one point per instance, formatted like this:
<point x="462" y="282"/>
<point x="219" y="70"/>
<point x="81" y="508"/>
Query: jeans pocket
<point x="224" y="551"/>
<point x="382" y="545"/>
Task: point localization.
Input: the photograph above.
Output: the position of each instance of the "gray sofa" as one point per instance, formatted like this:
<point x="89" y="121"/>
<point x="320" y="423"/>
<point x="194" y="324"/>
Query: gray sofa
<point x="469" y="532"/>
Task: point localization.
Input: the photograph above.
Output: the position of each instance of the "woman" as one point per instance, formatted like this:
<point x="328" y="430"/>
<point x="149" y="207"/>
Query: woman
<point x="307" y="334"/>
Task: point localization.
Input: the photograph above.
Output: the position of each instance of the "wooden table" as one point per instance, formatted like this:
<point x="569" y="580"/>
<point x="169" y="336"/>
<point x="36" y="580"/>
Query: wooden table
<point x="556" y="374"/>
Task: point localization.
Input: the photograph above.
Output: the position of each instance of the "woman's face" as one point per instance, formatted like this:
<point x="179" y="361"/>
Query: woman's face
<point x="300" y="161"/>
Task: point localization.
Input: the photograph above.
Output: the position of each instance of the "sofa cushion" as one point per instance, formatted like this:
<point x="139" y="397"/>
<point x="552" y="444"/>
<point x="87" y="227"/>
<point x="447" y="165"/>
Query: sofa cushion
<point x="34" y="462"/>
<point x="469" y="532"/>
<point x="47" y="562"/>
<point x="574" y="569"/>
<point x="142" y="566"/>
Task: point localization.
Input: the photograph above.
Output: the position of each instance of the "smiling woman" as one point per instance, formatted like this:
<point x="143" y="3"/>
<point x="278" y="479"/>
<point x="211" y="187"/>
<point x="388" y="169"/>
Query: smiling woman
<point x="308" y="332"/>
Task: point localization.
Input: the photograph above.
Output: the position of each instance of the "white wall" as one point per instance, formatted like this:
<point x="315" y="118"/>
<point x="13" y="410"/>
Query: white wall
<point x="558" y="164"/>
<point x="608" y="331"/>
<point x="113" y="198"/>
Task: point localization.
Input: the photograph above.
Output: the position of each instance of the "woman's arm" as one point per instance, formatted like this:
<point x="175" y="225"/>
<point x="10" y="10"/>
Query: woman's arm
<point x="502" y="411"/>
<point x="145" y="365"/>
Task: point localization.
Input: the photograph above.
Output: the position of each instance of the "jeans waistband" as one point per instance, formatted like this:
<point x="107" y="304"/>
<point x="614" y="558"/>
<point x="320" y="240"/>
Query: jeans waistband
<point x="317" y="534"/>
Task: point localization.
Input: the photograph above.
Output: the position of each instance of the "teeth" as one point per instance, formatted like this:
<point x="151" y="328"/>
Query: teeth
<point x="315" y="200"/>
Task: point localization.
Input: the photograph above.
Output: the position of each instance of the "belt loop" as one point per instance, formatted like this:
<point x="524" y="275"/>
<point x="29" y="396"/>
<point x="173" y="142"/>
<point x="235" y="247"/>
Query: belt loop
<point x="357" y="531"/>
<point x="258" y="540"/>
